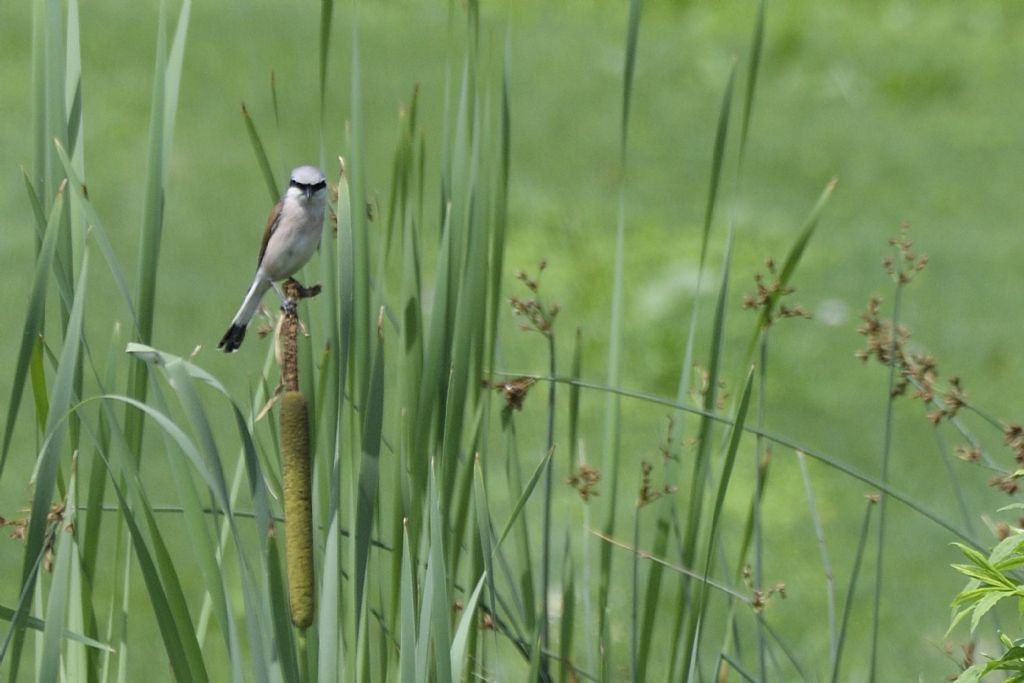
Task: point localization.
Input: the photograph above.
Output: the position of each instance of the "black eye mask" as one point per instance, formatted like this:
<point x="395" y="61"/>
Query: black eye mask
<point x="312" y="187"/>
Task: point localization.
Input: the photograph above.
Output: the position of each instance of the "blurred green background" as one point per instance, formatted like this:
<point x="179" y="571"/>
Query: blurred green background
<point x="914" y="107"/>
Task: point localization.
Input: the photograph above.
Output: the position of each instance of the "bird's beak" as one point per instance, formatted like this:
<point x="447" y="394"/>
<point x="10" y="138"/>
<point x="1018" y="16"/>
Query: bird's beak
<point x="308" y="191"/>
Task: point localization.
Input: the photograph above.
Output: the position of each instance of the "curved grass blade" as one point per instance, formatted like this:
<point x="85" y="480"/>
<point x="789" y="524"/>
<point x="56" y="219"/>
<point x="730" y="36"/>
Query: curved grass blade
<point x="261" y="155"/>
<point x="784" y="442"/>
<point x="36" y="624"/>
<point x="185" y="666"/>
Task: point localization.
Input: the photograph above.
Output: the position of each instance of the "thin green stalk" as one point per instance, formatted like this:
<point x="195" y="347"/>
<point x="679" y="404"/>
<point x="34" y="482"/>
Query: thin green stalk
<point x="851" y="590"/>
<point x="696" y="622"/>
<point x="610" y="467"/>
<point x="886" y="456"/>
<point x="826" y="563"/>
<point x="759" y="456"/>
<point x="634" y="635"/>
<point x="546" y="528"/>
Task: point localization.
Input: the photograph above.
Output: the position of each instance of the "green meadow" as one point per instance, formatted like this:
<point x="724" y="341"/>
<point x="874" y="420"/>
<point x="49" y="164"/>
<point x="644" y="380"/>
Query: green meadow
<point x="584" y="393"/>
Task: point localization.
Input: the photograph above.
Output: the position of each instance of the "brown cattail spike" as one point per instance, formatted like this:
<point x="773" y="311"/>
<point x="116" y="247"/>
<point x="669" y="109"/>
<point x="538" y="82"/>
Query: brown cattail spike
<point x="298" y="510"/>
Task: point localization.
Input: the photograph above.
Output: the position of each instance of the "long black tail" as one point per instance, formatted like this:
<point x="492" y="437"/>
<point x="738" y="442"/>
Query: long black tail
<point x="232" y="338"/>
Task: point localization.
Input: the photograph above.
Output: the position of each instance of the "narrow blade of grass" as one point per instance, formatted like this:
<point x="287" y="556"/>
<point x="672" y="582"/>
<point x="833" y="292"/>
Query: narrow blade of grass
<point x="407" y="628"/>
<point x="33" y="326"/>
<point x="792" y="260"/>
<point x="826" y="564"/>
<point x="610" y="467"/>
<point x="466" y="623"/>
<point x="851" y="590"/>
<point x="369" y="469"/>
<point x="753" y="70"/>
<point x="60" y="593"/>
<point x="166" y="82"/>
<point x="181" y="662"/>
<point x="440" y="627"/>
<point x="695" y="628"/>
<point x="47" y="468"/>
<point x="261" y="155"/>
<point x="702" y="460"/>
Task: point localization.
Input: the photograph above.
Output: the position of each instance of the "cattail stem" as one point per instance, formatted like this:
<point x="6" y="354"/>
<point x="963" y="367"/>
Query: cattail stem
<point x="295" y="465"/>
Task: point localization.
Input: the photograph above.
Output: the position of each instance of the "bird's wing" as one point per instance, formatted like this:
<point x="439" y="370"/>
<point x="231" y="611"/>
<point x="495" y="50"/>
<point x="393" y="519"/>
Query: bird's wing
<point x="272" y="221"/>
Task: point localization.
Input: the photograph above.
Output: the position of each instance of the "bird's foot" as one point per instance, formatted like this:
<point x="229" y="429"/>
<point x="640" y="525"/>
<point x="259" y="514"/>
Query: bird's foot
<point x="296" y="290"/>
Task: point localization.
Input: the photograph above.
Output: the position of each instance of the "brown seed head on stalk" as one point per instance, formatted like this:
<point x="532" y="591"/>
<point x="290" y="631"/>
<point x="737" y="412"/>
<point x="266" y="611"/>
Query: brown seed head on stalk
<point x="298" y="509"/>
<point x="767" y="298"/>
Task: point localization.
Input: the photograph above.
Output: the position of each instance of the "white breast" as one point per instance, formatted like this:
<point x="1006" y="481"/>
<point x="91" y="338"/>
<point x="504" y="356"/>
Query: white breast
<point x="295" y="239"/>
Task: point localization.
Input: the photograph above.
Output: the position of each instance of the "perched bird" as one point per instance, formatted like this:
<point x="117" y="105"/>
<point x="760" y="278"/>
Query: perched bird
<point x="292" y="235"/>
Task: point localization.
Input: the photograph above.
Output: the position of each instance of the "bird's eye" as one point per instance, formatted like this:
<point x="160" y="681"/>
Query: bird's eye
<point x="320" y="186"/>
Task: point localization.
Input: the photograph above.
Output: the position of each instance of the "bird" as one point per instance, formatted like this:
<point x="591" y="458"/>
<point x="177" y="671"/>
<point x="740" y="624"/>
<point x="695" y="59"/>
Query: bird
<point x="292" y="235"/>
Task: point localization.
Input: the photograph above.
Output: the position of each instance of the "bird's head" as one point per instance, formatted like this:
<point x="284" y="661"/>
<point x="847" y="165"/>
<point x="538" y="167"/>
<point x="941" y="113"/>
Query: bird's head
<point x="308" y="182"/>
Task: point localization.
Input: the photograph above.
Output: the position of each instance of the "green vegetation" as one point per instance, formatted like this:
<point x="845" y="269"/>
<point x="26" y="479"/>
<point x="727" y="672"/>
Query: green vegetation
<point x="602" y="467"/>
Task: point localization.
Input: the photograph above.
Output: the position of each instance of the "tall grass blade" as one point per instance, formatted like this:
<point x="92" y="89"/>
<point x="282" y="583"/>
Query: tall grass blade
<point x="753" y="70"/>
<point x="47" y="467"/>
<point x="34" y="318"/>
<point x="851" y="591"/>
<point x="483" y="525"/>
<point x="40" y="135"/>
<point x="177" y="652"/>
<point x="97" y="474"/>
<point x="886" y="455"/>
<point x="500" y="223"/>
<point x="695" y="627"/>
<point x="166" y="82"/>
<point x="98" y="233"/>
<point x="261" y="155"/>
<point x="407" y="626"/>
<point x="523" y="497"/>
<point x="667" y="513"/>
<point x="326" y="13"/>
<point x="610" y="466"/>
<point x="466" y="623"/>
<point x="328" y="618"/>
<point x="362" y="333"/>
<point x="701" y="461"/>
<point x="369" y="470"/>
<point x="826" y="563"/>
<point x="717" y="161"/>
<point x="204" y="548"/>
<point x="792" y="260"/>
<point x="440" y="626"/>
<point x="60" y="593"/>
<point x="568" y="623"/>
